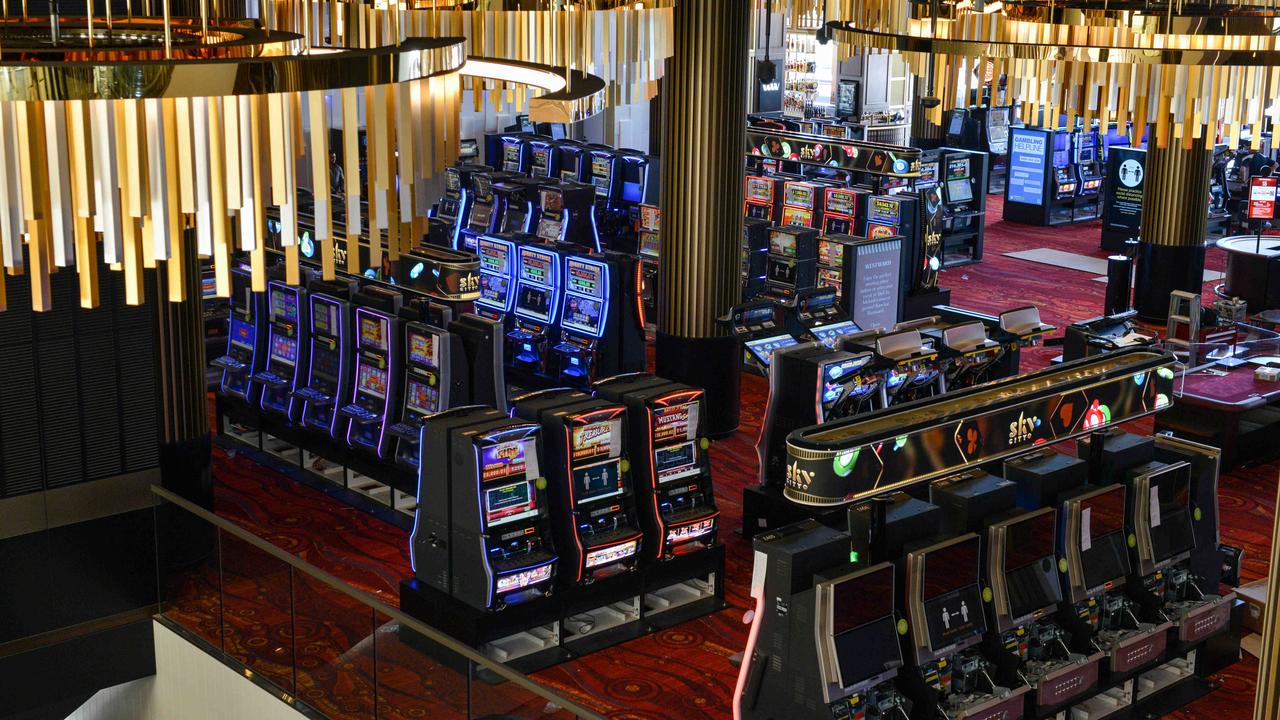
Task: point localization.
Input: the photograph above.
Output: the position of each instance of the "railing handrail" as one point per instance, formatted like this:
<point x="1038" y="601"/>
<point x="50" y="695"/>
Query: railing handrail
<point x="374" y="603"/>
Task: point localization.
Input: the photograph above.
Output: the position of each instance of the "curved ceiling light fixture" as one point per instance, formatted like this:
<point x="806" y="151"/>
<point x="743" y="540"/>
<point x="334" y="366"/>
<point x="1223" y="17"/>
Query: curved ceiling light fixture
<point x="562" y="101"/>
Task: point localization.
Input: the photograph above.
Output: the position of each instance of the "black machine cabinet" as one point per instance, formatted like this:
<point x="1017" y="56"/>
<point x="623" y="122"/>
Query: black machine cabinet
<point x="755" y="325"/>
<point x="791" y="264"/>
<point x="594" y="516"/>
<point x="379" y="332"/>
<point x="962" y="178"/>
<point x="445" y="227"/>
<point x="533" y="332"/>
<point x="482" y="342"/>
<point x="1104" y="334"/>
<point x="286" y="350"/>
<point x="435" y="379"/>
<point x="565" y="215"/>
<point x="601" y="319"/>
<point x="483" y="530"/>
<point x="755" y="256"/>
<point x="816" y="314"/>
<point x="246" y="336"/>
<point x="670" y="464"/>
<point x="328" y="379"/>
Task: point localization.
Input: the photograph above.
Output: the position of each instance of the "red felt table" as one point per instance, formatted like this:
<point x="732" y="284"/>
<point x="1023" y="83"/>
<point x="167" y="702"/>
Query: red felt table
<point x="1225" y="407"/>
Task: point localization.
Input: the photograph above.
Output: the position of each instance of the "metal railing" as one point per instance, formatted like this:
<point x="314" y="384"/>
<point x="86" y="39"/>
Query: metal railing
<point x="320" y="644"/>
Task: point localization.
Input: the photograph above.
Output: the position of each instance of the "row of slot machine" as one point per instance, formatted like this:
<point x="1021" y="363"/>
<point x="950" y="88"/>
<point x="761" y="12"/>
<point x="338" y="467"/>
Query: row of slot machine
<point x="568" y="489"/>
<point x="1073" y="584"/>
<point x="559" y="189"/>
<point x="355" y="364"/>
<point x="567" y="316"/>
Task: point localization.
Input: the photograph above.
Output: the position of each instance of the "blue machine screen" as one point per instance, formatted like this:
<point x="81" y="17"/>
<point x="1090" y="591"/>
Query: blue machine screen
<point x="494" y="290"/>
<point x="284" y="305"/>
<point x="534" y="302"/>
<point x="585" y="278"/>
<point x="762" y="348"/>
<point x="242" y="333"/>
<point x="1026" y="166"/>
<point x="828" y="334"/>
<point x="582" y="314"/>
<point x="284" y="348"/>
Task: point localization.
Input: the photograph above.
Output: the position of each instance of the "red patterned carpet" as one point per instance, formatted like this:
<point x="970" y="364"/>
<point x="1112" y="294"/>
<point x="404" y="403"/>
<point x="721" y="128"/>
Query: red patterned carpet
<point x="685" y="672"/>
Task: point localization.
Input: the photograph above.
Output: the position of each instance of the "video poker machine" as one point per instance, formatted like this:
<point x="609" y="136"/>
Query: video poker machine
<point x="482" y="532"/>
<point x="246" y="335"/>
<point x="286" y="351"/>
<point x="816" y="314"/>
<point x="801" y="204"/>
<point x="455" y="205"/>
<point x="1088" y="161"/>
<point x="755" y="325"/>
<point x="497" y="277"/>
<point x="1065" y="182"/>
<point x="669" y="462"/>
<point x="435" y="379"/>
<point x="377" y="372"/>
<point x="567" y="215"/>
<point x="600" y="326"/>
<point x="533" y="331"/>
<point x="595" y="523"/>
<point x="763" y="197"/>
<point x="792" y="261"/>
<point x="840" y="209"/>
<point x="328" y="378"/>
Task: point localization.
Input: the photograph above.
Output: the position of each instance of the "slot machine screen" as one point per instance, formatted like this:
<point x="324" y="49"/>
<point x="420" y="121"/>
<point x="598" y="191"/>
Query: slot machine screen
<point x="650" y="244"/>
<point x="1029" y="567"/>
<point x="675" y="423"/>
<point x="541" y="161"/>
<point x="549" y="228"/>
<point x="959" y="190"/>
<point x="326" y="363"/>
<point x="830" y="253"/>
<point x="1170" y="513"/>
<point x="834" y="131"/>
<point x="928" y="175"/>
<point x="781" y="243"/>
<point x="513" y="220"/>
<point x="481" y="213"/>
<point x="958" y="168"/>
<point x="511" y="153"/>
<point x="422" y="349"/>
<point x="797" y="216"/>
<point x="760" y="190"/>
<point x="631" y="192"/>
<point x="1060" y="151"/>
<point x="837" y="376"/>
<point x="781" y="271"/>
<point x="536" y="266"/>
<point x="593" y="482"/>
<point x="535" y="302"/>
<point x="372" y="380"/>
<point x="799" y="195"/>
<point x="494" y="290"/>
<point x="421" y="397"/>
<point x="840" y="201"/>
<point x="813" y="302"/>
<point x="952" y="602"/>
<point x="284" y="348"/>
<point x="829" y="278"/>
<point x="876" y="231"/>
<point x="957" y="121"/>
<point x="676" y="461"/>
<point x="284" y="305"/>
<point x="582" y="314"/>
<point x="495" y="257"/>
<point x="762" y="348"/>
<point x="650" y="217"/>
<point x="557" y="131"/>
<point x="585" y="278"/>
<point x="509" y="503"/>
<point x="862" y="627"/>
<point x="324" y="317"/>
<point x="1103" y="553"/>
<point x="569" y="166"/>
<point x="452" y="181"/>
<point x="552" y="201"/>
<point x="242" y="333"/>
<point x="600" y="174"/>
<point x="829" y="334"/>
<point x="373" y="333"/>
<point x="208" y="287"/>
<point x="998" y="116"/>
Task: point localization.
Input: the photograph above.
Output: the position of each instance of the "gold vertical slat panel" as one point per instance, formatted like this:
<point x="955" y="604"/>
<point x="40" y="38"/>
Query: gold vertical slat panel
<point x="702" y="170"/>
<point x="1175" y="181"/>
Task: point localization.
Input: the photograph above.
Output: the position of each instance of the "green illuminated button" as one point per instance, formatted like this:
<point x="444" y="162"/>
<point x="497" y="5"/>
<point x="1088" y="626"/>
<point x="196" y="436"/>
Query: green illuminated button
<point x="624" y="465"/>
<point x="431" y="380"/>
<point x="540" y="483"/>
<point x="1062" y="565"/>
<point x="986" y="594"/>
<point x="704" y="443"/>
<point x="903" y="627"/>
<point x="1196" y="514"/>
<point x="853" y="556"/>
<point x="1133" y="540"/>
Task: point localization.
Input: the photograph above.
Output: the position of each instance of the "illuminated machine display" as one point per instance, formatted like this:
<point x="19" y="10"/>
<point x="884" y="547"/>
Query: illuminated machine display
<point x="992" y="125"/>
<point x="378" y="335"/>
<point x="286" y="350"/>
<point x="763" y="198"/>
<point x="514" y="203"/>
<point x="755" y="325"/>
<point x="792" y="261"/>
<point x="485" y="213"/>
<point x="669" y="462"/>
<point x="815" y="314"/>
<point x="964" y="205"/>
<point x="245" y="337"/>
<point x="328" y="379"/>
<point x="537" y="295"/>
<point x="801" y="204"/>
<point x="435" y="379"/>
<point x="566" y="209"/>
<point x="497" y="277"/>
<point x="595" y="524"/>
<point x="516" y="154"/>
<point x="1088" y="160"/>
<point x="544" y="160"/>
<point x="483" y="531"/>
<point x="601" y="326"/>
<point x="455" y="205"/>
<point x="649" y="229"/>
<point x="840" y="209"/>
<point x="572" y="162"/>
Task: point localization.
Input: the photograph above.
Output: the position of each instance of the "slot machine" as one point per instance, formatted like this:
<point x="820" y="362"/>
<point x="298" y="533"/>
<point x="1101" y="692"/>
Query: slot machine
<point x="246" y="334"/>
<point x="816" y="314"/>
<point x="792" y="262"/>
<point x="592" y="320"/>
<point x="840" y="206"/>
<point x="635" y="180"/>
<point x="995" y="136"/>
<point x="594" y="519"/>
<point x="567" y="215"/>
<point x="481" y="216"/>
<point x="755" y="256"/>
<point x="1088" y="162"/>
<point x="823" y="642"/>
<point x="800" y="204"/>
<point x="483" y="342"/>
<point x="571" y="162"/>
<point x="1065" y="183"/>
<point x="754" y="324"/>
<point x="455" y="205"/>
<point x="497" y="277"/>
<point x="832" y="252"/>
<point x="514" y="205"/>
<point x="483" y="534"/>
<point x="329" y="370"/>
<point x="516" y="154"/>
<point x="669" y="461"/>
<point x="956" y="119"/>
<point x="602" y="173"/>
<point x="543" y="158"/>
<point x="968" y="354"/>
<point x="957" y="192"/>
<point x="763" y="198"/>
<point x="435" y="379"/>
<point x="949" y="676"/>
<point x="377" y="372"/>
<point x="650" y="232"/>
<point x="809" y="383"/>
<point x="534" y="331"/>
<point x="286" y="350"/>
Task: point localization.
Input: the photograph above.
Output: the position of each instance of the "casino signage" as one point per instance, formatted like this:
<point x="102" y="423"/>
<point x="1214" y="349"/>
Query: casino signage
<point x="872" y="158"/>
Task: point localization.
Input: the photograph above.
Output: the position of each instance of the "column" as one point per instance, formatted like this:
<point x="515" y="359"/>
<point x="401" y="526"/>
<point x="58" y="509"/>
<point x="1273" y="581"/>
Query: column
<point x="185" y="442"/>
<point x="1175" y="207"/>
<point x="1266" y="700"/>
<point x="703" y="149"/>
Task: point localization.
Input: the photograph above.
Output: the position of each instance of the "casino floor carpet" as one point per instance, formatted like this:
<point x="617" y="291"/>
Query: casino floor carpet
<point x="685" y="672"/>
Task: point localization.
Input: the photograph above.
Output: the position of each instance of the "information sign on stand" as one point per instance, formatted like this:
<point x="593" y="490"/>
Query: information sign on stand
<point x="1262" y="198"/>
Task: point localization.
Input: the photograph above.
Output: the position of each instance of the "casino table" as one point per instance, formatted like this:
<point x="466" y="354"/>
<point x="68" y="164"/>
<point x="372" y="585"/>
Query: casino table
<point x="1227" y="407"/>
